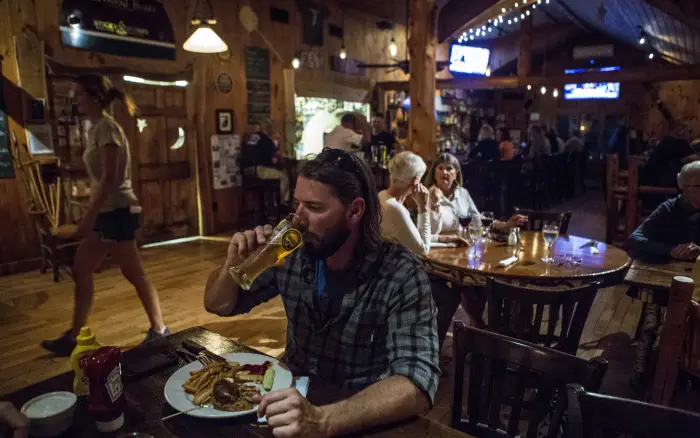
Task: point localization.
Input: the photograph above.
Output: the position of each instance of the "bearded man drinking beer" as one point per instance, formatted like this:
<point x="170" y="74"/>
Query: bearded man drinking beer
<point x="359" y="308"/>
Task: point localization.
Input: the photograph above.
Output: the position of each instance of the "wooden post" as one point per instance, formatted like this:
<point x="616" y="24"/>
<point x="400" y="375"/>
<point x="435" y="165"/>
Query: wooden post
<point x="671" y="341"/>
<point x="525" y="48"/>
<point x="422" y="42"/>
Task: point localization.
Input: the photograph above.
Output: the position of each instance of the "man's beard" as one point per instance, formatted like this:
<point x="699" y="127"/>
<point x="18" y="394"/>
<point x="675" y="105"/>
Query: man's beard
<point x="320" y="248"/>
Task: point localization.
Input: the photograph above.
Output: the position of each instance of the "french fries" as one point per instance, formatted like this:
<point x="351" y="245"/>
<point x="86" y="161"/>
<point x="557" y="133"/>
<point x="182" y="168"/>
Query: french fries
<point x="201" y="382"/>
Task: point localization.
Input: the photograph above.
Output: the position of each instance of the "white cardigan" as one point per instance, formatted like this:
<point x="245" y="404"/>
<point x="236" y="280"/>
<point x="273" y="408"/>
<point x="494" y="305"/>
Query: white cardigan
<point x="446" y="217"/>
<point x="397" y="225"/>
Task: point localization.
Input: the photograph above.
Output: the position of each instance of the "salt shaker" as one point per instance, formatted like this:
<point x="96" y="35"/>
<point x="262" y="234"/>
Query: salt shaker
<point x="513" y="237"/>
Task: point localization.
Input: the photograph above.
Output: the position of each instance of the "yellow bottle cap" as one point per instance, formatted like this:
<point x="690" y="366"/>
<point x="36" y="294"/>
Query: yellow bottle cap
<point x="85" y="337"/>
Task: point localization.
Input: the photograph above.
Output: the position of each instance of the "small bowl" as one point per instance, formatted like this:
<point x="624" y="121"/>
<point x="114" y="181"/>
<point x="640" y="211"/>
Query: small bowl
<point x="50" y="414"/>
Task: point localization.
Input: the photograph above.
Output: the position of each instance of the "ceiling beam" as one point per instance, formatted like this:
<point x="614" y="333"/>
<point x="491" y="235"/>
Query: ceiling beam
<point x="657" y="73"/>
<point x="685" y="11"/>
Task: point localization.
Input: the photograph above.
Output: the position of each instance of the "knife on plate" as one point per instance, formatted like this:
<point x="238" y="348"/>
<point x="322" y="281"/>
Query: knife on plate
<point x="196" y="348"/>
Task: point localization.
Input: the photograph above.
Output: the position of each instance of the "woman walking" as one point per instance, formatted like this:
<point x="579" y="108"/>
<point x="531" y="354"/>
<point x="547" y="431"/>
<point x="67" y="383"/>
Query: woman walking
<point x="112" y="218"/>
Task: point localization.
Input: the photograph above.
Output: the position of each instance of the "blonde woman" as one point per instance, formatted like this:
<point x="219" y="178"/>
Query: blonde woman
<point x="405" y="172"/>
<point x="487" y="148"/>
<point x="112" y="217"/>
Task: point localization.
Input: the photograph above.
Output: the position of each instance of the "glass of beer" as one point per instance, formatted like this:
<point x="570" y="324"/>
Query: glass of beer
<point x="284" y="240"/>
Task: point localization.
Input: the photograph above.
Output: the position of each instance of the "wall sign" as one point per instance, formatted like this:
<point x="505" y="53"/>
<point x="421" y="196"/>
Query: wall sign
<point x="139" y="28"/>
<point x="587" y="52"/>
<point x="224" y="83"/>
<point x="257" y="68"/>
<point x="312" y="19"/>
<point x="7" y="169"/>
<point x="312" y="60"/>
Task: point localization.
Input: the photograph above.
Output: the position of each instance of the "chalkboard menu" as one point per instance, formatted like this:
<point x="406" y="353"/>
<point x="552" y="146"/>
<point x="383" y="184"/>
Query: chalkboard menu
<point x="257" y="69"/>
<point x="7" y="170"/>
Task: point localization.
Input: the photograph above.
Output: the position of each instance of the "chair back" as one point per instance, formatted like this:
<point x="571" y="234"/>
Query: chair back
<point x="594" y="415"/>
<point x="477" y="180"/>
<point x="538" y="219"/>
<point x="519" y="312"/>
<point x="512" y="378"/>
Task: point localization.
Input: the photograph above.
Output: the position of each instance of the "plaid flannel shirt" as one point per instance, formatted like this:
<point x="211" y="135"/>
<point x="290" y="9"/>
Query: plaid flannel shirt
<point x="386" y="325"/>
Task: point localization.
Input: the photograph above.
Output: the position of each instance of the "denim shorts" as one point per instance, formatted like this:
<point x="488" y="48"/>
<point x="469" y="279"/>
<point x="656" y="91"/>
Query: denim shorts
<point x="118" y="225"/>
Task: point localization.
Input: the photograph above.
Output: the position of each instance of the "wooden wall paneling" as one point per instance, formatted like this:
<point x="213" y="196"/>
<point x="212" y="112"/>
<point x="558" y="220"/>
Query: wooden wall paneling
<point x="151" y="152"/>
<point x="183" y="193"/>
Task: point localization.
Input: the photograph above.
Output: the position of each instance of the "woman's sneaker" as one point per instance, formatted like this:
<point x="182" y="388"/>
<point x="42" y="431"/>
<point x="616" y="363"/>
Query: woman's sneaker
<point x="62" y="346"/>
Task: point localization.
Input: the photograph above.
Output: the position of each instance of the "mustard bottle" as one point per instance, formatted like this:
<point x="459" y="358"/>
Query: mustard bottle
<point x="86" y="345"/>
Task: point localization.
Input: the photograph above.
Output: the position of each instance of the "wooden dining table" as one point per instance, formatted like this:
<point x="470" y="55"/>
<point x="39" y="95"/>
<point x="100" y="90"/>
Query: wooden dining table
<point x="146" y="405"/>
<point x="472" y="265"/>
<point x="653" y="282"/>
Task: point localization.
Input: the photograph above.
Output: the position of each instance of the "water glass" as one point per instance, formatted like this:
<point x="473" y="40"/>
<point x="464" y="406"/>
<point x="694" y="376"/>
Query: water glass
<point x="550" y="232"/>
<point x="476" y="231"/>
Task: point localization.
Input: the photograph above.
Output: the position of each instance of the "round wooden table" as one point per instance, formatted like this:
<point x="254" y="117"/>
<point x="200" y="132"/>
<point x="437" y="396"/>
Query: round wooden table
<point x="454" y="264"/>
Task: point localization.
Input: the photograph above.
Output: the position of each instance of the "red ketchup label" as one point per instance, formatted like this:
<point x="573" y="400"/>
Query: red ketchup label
<point x="103" y="372"/>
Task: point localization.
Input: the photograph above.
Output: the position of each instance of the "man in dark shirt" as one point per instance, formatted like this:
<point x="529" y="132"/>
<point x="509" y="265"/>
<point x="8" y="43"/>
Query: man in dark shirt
<point x="360" y="313"/>
<point x="673" y="229"/>
<point x="382" y="137"/>
<point x="260" y="152"/>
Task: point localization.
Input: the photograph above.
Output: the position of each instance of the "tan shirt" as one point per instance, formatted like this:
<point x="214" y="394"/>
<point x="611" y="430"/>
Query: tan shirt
<point x="108" y="132"/>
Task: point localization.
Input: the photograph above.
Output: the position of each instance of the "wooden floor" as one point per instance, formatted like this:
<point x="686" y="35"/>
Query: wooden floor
<point x="33" y="308"/>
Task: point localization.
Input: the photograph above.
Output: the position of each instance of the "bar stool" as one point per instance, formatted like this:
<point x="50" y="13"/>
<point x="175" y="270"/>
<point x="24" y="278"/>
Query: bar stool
<point x="261" y="190"/>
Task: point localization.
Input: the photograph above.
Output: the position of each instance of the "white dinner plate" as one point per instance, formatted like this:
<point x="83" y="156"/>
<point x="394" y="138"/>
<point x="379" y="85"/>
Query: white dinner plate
<point x="182" y="401"/>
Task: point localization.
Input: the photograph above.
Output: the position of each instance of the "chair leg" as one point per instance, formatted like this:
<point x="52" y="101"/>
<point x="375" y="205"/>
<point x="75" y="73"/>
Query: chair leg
<point x="55" y="264"/>
<point x="42" y="269"/>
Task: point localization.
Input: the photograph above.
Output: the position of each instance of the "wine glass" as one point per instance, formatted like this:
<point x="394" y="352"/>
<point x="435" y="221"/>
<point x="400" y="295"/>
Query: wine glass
<point x="487" y="219"/>
<point x="464" y="222"/>
<point x="550" y="232"/>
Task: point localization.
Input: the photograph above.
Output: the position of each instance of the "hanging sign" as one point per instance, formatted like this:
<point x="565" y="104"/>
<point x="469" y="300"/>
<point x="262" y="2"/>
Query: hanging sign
<point x="139" y="28"/>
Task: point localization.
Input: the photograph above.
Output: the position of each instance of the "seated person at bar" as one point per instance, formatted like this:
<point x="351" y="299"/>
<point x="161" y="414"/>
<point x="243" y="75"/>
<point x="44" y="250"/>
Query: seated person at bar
<point x="260" y="152"/>
<point x="449" y="202"/>
<point x="487" y="148"/>
<point x="673" y="229"/>
<point x="359" y="309"/>
<point x="505" y="144"/>
<point x="382" y="137"/>
<point x="405" y="172"/>
<point x="539" y="144"/>
<point x="347" y="136"/>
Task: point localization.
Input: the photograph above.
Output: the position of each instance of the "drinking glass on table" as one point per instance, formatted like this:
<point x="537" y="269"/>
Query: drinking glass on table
<point x="550" y="232"/>
<point x="464" y="222"/>
<point x="487" y="219"/>
<point x="476" y="231"/>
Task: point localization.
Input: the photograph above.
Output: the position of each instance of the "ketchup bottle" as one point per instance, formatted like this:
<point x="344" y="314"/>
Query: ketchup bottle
<point x="103" y="373"/>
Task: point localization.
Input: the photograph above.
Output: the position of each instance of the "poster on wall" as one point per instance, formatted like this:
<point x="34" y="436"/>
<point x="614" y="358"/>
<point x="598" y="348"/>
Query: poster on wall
<point x="312" y="19"/>
<point x="225" y="151"/>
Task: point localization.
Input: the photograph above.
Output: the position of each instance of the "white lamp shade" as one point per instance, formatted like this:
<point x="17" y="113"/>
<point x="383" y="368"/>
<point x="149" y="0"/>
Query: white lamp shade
<point x="205" y="40"/>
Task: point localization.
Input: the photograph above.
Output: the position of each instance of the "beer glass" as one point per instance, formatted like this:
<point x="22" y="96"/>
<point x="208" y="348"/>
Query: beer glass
<point x="283" y="241"/>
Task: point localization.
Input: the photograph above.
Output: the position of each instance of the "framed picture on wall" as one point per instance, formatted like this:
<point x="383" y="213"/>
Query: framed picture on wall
<point x="224" y="121"/>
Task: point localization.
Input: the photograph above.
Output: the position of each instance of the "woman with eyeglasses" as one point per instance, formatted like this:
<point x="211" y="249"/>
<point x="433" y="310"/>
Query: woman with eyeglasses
<point x="112" y="218"/>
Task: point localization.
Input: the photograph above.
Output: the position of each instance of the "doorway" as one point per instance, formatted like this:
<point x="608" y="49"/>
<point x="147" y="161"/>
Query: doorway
<point x="163" y="162"/>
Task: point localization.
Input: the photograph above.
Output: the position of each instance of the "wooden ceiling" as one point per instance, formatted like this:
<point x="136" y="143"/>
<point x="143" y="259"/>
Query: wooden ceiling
<point x="671" y="27"/>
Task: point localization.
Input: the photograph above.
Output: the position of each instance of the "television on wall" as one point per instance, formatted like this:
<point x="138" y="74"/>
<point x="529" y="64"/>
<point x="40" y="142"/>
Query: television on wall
<point x="468" y="59"/>
<point x="592" y="90"/>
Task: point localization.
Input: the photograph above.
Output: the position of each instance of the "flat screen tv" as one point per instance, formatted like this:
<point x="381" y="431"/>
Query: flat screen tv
<point x="592" y="90"/>
<point x="468" y="59"/>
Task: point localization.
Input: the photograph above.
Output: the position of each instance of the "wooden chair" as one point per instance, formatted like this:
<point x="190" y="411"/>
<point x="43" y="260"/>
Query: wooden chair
<point x="615" y="200"/>
<point x="589" y="414"/>
<point x="508" y="373"/>
<point x="538" y="219"/>
<point x="56" y="244"/>
<point x="518" y="311"/>
<point x="671" y="341"/>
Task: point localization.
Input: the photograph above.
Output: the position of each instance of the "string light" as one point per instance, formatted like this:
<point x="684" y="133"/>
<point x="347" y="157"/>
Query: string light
<point x="343" y="54"/>
<point x="642" y="40"/>
<point x="651" y="56"/>
<point x="393" y="48"/>
<point x="503" y="10"/>
<point x="555" y="93"/>
<point x="529" y="87"/>
<point x="296" y="62"/>
<point x="522" y="16"/>
<point x="543" y="90"/>
<point x="510" y="22"/>
<point x="489" y="29"/>
<point x="527" y="13"/>
<point x="516" y="5"/>
<point x="515" y="20"/>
